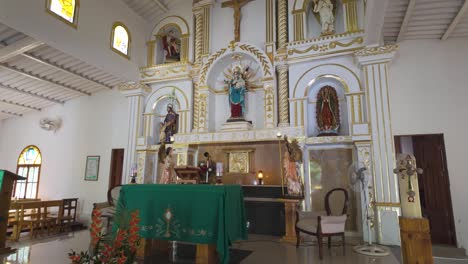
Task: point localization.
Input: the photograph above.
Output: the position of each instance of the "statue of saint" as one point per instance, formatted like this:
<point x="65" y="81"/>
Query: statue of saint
<point x="168" y="175"/>
<point x="171" y="46"/>
<point x="237" y="89"/>
<point x="325" y="10"/>
<point x="327" y="111"/>
<point x="169" y="126"/>
<point x="292" y="159"/>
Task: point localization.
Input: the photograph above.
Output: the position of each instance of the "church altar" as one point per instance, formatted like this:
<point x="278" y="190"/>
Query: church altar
<point x="202" y="214"/>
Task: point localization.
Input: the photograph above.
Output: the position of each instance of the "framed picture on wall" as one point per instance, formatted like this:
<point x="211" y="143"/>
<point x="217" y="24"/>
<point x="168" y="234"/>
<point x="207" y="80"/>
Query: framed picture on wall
<point x="92" y="168"/>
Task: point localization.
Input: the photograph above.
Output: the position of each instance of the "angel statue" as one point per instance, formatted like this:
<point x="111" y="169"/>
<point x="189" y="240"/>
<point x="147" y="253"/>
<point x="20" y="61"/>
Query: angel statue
<point x="237" y="89"/>
<point x="291" y="164"/>
<point x="325" y="10"/>
<point x="168" y="175"/>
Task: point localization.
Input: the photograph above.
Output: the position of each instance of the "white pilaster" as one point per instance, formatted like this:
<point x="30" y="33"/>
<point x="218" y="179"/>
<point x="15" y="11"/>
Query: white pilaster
<point x="374" y="62"/>
<point x="135" y="92"/>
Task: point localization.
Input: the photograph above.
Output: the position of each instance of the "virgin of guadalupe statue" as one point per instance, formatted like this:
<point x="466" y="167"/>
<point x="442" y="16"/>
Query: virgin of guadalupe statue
<point x="237" y="89"/>
<point x="168" y="175"/>
<point x="327" y="111"/>
<point x="325" y="10"/>
<point x="169" y="126"/>
<point x="292" y="160"/>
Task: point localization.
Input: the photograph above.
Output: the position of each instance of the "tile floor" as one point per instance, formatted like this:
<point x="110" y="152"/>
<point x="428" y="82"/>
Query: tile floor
<point x="53" y="250"/>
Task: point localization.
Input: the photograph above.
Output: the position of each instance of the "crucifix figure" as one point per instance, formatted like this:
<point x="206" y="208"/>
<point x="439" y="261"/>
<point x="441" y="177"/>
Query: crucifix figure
<point x="236" y="5"/>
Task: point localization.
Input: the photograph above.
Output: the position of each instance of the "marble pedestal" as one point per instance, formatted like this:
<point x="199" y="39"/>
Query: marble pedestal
<point x="236" y="126"/>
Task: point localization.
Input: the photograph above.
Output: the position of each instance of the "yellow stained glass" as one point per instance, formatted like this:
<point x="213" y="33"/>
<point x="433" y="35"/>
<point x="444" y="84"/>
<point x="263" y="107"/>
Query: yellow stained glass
<point x="64" y="8"/>
<point x="30" y="156"/>
<point x="120" y="41"/>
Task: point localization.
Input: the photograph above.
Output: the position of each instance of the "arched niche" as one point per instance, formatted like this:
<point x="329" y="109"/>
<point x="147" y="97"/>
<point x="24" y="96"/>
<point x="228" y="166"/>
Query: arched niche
<point x="314" y="88"/>
<point x="346" y="83"/>
<point x="156" y="110"/>
<point x="261" y="99"/>
<point x="171" y="34"/>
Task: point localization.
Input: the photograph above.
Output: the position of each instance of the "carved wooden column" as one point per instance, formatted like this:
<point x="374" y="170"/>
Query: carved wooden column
<point x="374" y="63"/>
<point x="282" y="24"/>
<point x="198" y="12"/>
<point x="150" y="53"/>
<point x="283" y="91"/>
<point x="136" y="93"/>
<point x="351" y="15"/>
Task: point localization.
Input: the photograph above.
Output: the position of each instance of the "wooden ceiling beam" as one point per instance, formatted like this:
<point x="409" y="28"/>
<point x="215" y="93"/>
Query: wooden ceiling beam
<point x="455" y="21"/>
<point x="162" y="6"/>
<point x="18" y="47"/>
<point x="63" y="69"/>
<point x="406" y="19"/>
<point x="14" y="89"/>
<point x="42" y="79"/>
<point x="20" y="105"/>
<point x="11" y="113"/>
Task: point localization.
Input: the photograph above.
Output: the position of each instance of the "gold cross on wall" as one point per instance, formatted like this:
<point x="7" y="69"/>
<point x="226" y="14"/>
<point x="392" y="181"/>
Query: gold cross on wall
<point x="236" y="5"/>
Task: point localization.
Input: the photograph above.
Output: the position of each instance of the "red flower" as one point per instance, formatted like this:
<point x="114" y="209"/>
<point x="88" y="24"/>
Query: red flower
<point x="122" y="259"/>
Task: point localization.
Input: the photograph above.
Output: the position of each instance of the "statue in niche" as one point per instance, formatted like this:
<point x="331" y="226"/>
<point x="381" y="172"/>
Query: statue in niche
<point x="327" y="111"/>
<point x="171" y="46"/>
<point x="169" y="126"/>
<point x="292" y="160"/>
<point x="236" y="91"/>
<point x="324" y="8"/>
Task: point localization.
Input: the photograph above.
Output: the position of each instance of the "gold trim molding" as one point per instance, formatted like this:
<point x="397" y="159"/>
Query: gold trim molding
<point x="326" y="47"/>
<point x="377" y="50"/>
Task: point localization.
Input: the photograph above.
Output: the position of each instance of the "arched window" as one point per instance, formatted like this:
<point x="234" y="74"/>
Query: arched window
<point x="29" y="166"/>
<point x="65" y="10"/>
<point x="120" y="39"/>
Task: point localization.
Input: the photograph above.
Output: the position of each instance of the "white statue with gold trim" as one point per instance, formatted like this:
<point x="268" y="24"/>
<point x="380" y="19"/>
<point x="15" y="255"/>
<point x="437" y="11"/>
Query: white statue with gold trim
<point x="324" y="8"/>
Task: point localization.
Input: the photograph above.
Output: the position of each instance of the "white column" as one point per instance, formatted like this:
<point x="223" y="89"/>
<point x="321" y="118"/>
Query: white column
<point x="135" y="92"/>
<point x="374" y="62"/>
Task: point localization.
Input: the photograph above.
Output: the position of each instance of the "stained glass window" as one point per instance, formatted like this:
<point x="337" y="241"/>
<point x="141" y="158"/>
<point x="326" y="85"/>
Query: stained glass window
<point x="64" y="9"/>
<point x="29" y="166"/>
<point x="120" y="41"/>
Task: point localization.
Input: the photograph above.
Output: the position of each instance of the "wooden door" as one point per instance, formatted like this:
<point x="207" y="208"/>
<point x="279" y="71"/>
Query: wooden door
<point x="116" y="167"/>
<point x="434" y="185"/>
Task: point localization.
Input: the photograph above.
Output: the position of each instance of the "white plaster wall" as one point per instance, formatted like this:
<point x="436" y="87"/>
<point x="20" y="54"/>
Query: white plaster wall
<point x="91" y="41"/>
<point x="252" y="27"/>
<point x="428" y="94"/>
<point x="91" y="126"/>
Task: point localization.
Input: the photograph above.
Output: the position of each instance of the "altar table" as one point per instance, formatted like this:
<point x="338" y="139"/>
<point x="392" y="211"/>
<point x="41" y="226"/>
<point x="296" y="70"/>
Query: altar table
<point x="202" y="214"/>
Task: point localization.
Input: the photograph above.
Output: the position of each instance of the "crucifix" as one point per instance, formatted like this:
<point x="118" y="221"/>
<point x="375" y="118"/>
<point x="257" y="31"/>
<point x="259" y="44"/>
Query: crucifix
<point x="236" y="5"/>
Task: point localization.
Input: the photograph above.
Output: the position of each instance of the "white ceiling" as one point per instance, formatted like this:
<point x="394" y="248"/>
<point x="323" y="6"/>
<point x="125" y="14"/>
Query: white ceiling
<point x="425" y="19"/>
<point x="34" y="75"/>
<point x="153" y="10"/>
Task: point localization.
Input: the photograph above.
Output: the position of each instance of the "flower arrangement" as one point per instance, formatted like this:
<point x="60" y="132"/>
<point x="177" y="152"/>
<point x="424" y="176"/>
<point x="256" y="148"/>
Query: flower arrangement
<point x="120" y="249"/>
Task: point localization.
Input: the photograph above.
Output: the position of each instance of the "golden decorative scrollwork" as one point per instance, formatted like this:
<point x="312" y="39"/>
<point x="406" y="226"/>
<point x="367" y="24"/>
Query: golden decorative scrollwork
<point x="208" y="63"/>
<point x="376" y="50"/>
<point x="259" y="55"/>
<point x="325" y="47"/>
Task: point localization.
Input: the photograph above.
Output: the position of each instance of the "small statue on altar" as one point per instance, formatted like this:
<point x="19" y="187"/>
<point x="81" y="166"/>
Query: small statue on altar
<point x="292" y="160"/>
<point x="169" y="126"/>
<point x="325" y="10"/>
<point x="208" y="169"/>
<point x="237" y="89"/>
<point x="168" y="175"/>
<point x="327" y="112"/>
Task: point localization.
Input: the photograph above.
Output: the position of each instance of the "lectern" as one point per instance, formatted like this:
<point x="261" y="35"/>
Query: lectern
<point x="6" y="186"/>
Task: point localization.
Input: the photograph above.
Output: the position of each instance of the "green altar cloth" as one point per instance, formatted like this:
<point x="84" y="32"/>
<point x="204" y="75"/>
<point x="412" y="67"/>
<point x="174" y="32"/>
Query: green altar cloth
<point x="205" y="214"/>
<point x="2" y="172"/>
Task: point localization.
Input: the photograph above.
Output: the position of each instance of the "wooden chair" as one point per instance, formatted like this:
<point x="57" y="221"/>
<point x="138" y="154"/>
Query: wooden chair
<point x="68" y="216"/>
<point x="52" y="213"/>
<point x="323" y="225"/>
<point x="28" y="215"/>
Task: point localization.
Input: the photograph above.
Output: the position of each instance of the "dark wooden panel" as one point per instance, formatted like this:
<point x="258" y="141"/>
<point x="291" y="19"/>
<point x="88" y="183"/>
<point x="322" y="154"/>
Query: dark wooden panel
<point x="434" y="184"/>
<point x="265" y="218"/>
